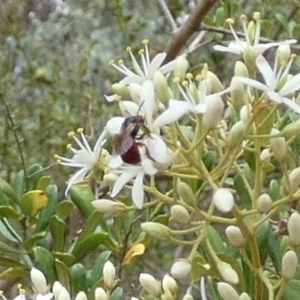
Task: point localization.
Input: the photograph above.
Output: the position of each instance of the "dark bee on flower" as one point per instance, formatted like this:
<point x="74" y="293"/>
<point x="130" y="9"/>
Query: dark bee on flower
<point x="127" y="142"/>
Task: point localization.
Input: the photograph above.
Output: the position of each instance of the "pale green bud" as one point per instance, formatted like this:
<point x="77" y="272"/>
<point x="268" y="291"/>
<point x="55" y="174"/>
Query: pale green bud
<point x="100" y="294"/>
<point x="251" y="31"/>
<point x="109" y="273"/>
<point x="110" y="179"/>
<point x="169" y="286"/>
<point x="63" y="295"/>
<point x="240" y="69"/>
<point x="291" y="129"/>
<point x="187" y="297"/>
<point x="57" y="287"/>
<point x="156" y="230"/>
<point x="186" y="193"/>
<point x="214" y="112"/>
<point x="161" y="87"/>
<point x="250" y="59"/>
<point x="215" y="83"/>
<point x="180" y="214"/>
<point x="294" y="178"/>
<point x="81" y="296"/>
<point x="227" y="273"/>
<point x="294" y="229"/>
<point x="235" y="236"/>
<point x="289" y="265"/>
<point x="223" y="200"/>
<point x="181" y="268"/>
<point x="278" y="146"/>
<point x="245" y="114"/>
<point x="244" y="296"/>
<point x="121" y="90"/>
<point x="150" y="285"/>
<point x="236" y="134"/>
<point x="238" y="94"/>
<point x="264" y="203"/>
<point x="108" y="206"/>
<point x="227" y="292"/>
<point x="265" y="155"/>
<point x="181" y="66"/>
<point x="39" y="281"/>
<point x="283" y="54"/>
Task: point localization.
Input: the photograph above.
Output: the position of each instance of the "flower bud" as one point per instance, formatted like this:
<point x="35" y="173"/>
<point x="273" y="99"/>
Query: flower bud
<point x="238" y="94"/>
<point x="294" y="229"/>
<point x="121" y="90"/>
<point x="245" y="114"/>
<point x="244" y="296"/>
<point x="181" y="66"/>
<point x="223" y="200"/>
<point x="249" y="59"/>
<point x="294" y="178"/>
<point x="278" y="145"/>
<point x="236" y="134"/>
<point x="149" y="284"/>
<point x="180" y="214"/>
<point x="135" y="91"/>
<point x="283" y="54"/>
<point x="291" y="129"/>
<point x="227" y="292"/>
<point x="289" y="265"/>
<point x="181" y="268"/>
<point x="57" y="287"/>
<point x="214" y="112"/>
<point x="169" y="286"/>
<point x="240" y="69"/>
<point x="39" y="281"/>
<point x="161" y="87"/>
<point x="109" y="273"/>
<point x="227" y="273"/>
<point x="110" y="179"/>
<point x="186" y="194"/>
<point x="109" y="206"/>
<point x="156" y="230"/>
<point x="264" y="203"/>
<point x="100" y="294"/>
<point x="81" y="296"/>
<point x="235" y="236"/>
<point x="215" y="83"/>
<point x="265" y="155"/>
<point x="187" y="297"/>
<point x="63" y="295"/>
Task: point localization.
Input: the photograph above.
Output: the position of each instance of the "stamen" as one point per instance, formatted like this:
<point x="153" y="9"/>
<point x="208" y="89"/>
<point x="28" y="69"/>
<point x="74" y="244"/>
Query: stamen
<point x="199" y="77"/>
<point x="128" y="48"/>
<point x="176" y="79"/>
<point x="145" y="41"/>
<point x="79" y="130"/>
<point x="243" y="18"/>
<point x="71" y="134"/>
<point x="69" y="146"/>
<point x="256" y="15"/>
<point x="229" y="21"/>
<point x="142" y="51"/>
<point x="185" y="83"/>
<point x="189" y="76"/>
<point x="111" y="62"/>
<point x="120" y="62"/>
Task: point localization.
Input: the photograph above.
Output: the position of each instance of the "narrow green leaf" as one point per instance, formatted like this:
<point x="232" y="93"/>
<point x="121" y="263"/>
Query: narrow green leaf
<point x="117" y="294"/>
<point x="64" y="209"/>
<point x="274" y="251"/>
<point x="8" y="231"/>
<point x="79" y="280"/>
<point x="8" y="190"/>
<point x="262" y="235"/>
<point x="13" y="273"/>
<point x="9" y="212"/>
<point x="67" y="258"/>
<point x="274" y="190"/>
<point x="31" y="241"/>
<point x="34" y="173"/>
<point x="242" y="191"/>
<point x="98" y="267"/>
<point x="43" y="182"/>
<point x="19" y="185"/>
<point x="208" y="159"/>
<point x="45" y="262"/>
<point x="63" y="274"/>
<point x="215" y="240"/>
<point x="8" y="262"/>
<point x="58" y="232"/>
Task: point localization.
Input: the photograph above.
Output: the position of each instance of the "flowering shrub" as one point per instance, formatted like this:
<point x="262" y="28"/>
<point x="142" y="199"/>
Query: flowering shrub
<point x="186" y="155"/>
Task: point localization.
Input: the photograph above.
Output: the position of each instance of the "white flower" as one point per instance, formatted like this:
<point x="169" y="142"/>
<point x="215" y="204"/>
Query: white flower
<point x="279" y="84"/>
<point x="238" y="46"/>
<point x="148" y="67"/>
<point x="84" y="158"/>
<point x="129" y="172"/>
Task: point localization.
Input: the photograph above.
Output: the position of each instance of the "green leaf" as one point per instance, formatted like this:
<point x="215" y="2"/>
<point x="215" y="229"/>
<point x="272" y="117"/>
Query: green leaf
<point x="19" y="185"/>
<point x="13" y="273"/>
<point x="262" y="235"/>
<point x="117" y="294"/>
<point x="31" y="242"/>
<point x="67" y="258"/>
<point x="78" y="275"/>
<point x="9" y="232"/>
<point x="98" y="266"/>
<point x="63" y="274"/>
<point x="43" y="182"/>
<point x="215" y="240"/>
<point x="82" y="196"/>
<point x="283" y="20"/>
<point x="47" y="213"/>
<point x="220" y="16"/>
<point x="208" y="159"/>
<point x="8" y="262"/>
<point x="9" y="212"/>
<point x="199" y="268"/>
<point x="64" y="209"/>
<point x="58" y="232"/>
<point x="242" y="191"/>
<point x="274" y="251"/>
<point x="33" y="201"/>
<point x="250" y="159"/>
<point x="292" y="290"/>
<point x="8" y="190"/>
<point x="296" y="30"/>
<point x="274" y="190"/>
<point x="45" y="262"/>
<point x="34" y="173"/>
<point x="90" y="243"/>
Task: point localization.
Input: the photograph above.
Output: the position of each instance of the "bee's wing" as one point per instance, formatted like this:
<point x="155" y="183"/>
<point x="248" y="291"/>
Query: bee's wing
<point x="121" y="144"/>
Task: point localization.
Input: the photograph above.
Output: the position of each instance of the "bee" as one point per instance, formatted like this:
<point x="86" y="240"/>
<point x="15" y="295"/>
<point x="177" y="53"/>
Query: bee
<point x="126" y="143"/>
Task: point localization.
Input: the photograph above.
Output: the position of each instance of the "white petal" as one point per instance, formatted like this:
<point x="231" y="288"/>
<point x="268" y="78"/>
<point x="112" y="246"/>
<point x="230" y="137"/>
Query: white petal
<point x="101" y="140"/>
<point x="122" y="180"/>
<point x="274" y="96"/>
<point x="252" y="82"/>
<point x="115" y="162"/>
<point x="148" y="100"/>
<point x="114" y="124"/>
<point x="167" y="68"/>
<point x="291" y="104"/>
<point x="148" y="167"/>
<point x="267" y="72"/>
<point x="110" y="98"/>
<point x="138" y="190"/>
<point x="132" y="78"/>
<point x="156" y="63"/>
<point x="77" y="177"/>
<point x="291" y="85"/>
<point x="157" y="148"/>
<point x="176" y="110"/>
<point x="128" y="108"/>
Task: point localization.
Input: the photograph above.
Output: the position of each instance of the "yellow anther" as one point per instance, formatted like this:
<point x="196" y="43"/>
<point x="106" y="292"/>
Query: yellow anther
<point x="185" y="83"/>
<point x="120" y="62"/>
<point x="118" y="98"/>
<point x="22" y="291"/>
<point x="58" y="161"/>
<point x="69" y="146"/>
<point x="198" y="77"/>
<point x="80" y="130"/>
<point x="128" y="48"/>
<point x="142" y="51"/>
<point x="243" y="18"/>
<point x="176" y="79"/>
<point x="71" y="134"/>
<point x="189" y="76"/>
<point x="256" y="15"/>
<point x="204" y="70"/>
<point x="229" y="21"/>
<point x="145" y="41"/>
<point x="1" y="293"/>
<point x="293" y="55"/>
<point x="111" y="62"/>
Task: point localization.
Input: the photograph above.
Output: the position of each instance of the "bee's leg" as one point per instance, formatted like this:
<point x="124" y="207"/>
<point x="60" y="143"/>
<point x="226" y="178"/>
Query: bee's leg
<point x="147" y="151"/>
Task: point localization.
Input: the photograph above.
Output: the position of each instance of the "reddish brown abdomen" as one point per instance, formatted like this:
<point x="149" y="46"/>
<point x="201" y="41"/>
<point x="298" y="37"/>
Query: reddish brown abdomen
<point x="132" y="155"/>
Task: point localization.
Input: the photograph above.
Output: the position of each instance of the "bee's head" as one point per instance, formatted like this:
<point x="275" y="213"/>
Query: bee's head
<point x="132" y="125"/>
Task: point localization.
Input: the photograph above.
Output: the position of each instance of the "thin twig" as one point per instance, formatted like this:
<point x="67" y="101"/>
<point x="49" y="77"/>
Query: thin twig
<point x="18" y="141"/>
<point x="42" y="170"/>
<point x="169" y="18"/>
<point x="181" y="36"/>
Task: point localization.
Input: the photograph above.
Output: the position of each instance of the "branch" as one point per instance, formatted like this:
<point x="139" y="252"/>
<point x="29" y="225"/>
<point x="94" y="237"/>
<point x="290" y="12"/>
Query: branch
<point x="180" y="37"/>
